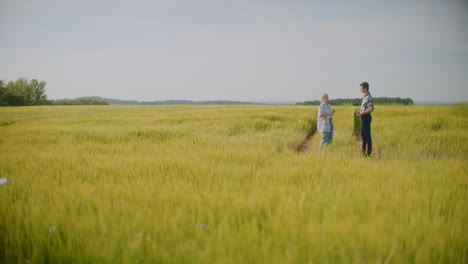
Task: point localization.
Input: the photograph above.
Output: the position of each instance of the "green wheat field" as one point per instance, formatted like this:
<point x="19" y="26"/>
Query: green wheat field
<point x="226" y="184"/>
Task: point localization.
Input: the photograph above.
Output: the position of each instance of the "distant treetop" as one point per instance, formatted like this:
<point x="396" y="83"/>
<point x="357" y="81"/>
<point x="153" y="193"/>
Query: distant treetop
<point x="80" y="101"/>
<point x="357" y="101"/>
<point x="22" y="92"/>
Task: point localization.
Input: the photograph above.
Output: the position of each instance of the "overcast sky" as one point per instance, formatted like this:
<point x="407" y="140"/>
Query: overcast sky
<point x="247" y="50"/>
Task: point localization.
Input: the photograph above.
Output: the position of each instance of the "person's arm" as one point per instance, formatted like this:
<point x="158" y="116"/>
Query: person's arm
<point x="368" y="111"/>
<point x="370" y="104"/>
<point x="325" y="115"/>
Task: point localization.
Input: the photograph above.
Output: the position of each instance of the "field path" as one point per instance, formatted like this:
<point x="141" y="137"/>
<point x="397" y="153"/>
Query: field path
<point x="304" y="146"/>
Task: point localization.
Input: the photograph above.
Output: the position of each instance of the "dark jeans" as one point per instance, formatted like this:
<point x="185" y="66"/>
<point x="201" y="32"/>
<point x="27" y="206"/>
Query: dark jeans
<point x="366" y="134"/>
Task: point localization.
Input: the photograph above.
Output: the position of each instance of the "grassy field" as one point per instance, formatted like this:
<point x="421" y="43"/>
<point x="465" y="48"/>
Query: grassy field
<point x="225" y="184"/>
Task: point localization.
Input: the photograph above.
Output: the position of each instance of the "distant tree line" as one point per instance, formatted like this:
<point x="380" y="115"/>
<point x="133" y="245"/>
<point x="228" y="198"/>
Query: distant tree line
<point x="357" y="101"/>
<point x="172" y="102"/>
<point x="22" y="92"/>
<point x="79" y="101"/>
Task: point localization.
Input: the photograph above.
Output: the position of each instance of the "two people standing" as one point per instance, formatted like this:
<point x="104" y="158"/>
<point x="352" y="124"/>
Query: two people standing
<point x="325" y="120"/>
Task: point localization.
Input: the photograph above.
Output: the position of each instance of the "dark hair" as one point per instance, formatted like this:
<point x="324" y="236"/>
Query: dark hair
<point x="365" y="85"/>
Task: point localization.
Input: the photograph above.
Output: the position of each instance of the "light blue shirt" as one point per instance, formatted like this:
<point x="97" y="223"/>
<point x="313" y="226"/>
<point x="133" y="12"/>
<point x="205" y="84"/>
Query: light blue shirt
<point x="324" y="124"/>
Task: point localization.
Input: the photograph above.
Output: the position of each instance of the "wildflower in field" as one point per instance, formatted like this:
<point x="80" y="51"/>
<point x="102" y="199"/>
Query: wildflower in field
<point x="3" y="181"/>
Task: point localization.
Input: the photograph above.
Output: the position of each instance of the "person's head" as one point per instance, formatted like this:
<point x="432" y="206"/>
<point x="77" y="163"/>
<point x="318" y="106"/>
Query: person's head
<point x="324" y="98"/>
<point x="364" y="87"/>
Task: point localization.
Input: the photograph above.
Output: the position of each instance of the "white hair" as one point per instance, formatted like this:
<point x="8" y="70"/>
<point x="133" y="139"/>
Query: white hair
<point x="323" y="96"/>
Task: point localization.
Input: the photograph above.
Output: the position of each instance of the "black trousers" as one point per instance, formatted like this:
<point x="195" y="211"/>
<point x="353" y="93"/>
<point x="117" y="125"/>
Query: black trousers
<point x="366" y="134"/>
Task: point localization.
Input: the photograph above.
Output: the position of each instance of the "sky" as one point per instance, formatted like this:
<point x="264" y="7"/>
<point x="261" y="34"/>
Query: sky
<point x="243" y="50"/>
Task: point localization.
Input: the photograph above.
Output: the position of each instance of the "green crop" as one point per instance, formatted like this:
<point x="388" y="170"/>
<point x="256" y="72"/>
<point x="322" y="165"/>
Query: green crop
<point x="226" y="184"/>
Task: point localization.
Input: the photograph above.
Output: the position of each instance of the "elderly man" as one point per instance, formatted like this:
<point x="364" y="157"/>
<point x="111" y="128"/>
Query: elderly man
<point x="325" y="121"/>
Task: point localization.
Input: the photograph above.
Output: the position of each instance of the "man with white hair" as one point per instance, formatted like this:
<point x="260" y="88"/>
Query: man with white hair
<point x="325" y="120"/>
